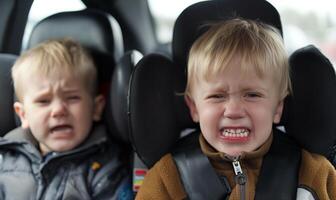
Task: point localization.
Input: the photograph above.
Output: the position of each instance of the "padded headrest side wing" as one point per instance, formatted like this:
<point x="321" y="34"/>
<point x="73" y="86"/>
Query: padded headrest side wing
<point x="117" y="106"/>
<point x="94" y="29"/>
<point x="7" y="116"/>
<point x="152" y="121"/>
<point x="311" y="110"/>
<point x="192" y="22"/>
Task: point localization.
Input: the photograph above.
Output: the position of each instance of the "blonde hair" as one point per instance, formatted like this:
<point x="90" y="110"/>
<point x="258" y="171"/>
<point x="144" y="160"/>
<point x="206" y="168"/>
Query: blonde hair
<point x="255" y="43"/>
<point x="55" y="58"/>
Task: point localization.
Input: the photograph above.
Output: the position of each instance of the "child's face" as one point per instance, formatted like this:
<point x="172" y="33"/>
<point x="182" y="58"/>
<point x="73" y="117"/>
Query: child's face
<point x="236" y="111"/>
<point x="59" y="112"/>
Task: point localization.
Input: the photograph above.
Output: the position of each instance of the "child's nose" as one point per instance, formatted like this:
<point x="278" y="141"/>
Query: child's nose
<point x="58" y="109"/>
<point x="234" y="108"/>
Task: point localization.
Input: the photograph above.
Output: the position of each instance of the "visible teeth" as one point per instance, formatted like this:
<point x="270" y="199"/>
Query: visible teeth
<point x="235" y="132"/>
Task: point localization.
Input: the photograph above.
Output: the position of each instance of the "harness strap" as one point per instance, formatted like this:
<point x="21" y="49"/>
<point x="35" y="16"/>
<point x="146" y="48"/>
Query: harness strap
<point x="277" y="180"/>
<point x="198" y="176"/>
<point x="279" y="171"/>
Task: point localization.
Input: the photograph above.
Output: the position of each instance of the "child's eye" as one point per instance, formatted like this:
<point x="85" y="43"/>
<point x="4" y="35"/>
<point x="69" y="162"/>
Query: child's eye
<point x="73" y="98"/>
<point x="252" y="95"/>
<point x="217" y="96"/>
<point x="43" y="101"/>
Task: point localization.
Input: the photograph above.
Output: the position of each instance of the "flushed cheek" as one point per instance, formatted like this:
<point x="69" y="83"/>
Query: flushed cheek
<point x="261" y="131"/>
<point x="84" y="116"/>
<point x="38" y="121"/>
<point x="209" y="121"/>
<point x="211" y="115"/>
<point x="83" y="122"/>
<point x="210" y="127"/>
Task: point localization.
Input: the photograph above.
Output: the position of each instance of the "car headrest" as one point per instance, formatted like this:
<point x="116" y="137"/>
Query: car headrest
<point x="94" y="29"/>
<point x="152" y="117"/>
<point x="310" y="112"/>
<point x="193" y="21"/>
<point x="116" y="107"/>
<point x="97" y="31"/>
<point x="7" y="117"/>
<point x="157" y="112"/>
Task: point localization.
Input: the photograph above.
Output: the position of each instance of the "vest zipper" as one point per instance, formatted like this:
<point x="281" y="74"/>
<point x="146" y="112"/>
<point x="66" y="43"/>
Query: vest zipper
<point x="240" y="178"/>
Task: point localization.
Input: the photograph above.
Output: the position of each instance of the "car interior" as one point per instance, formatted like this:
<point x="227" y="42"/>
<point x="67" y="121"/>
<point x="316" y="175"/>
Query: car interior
<point x="144" y="80"/>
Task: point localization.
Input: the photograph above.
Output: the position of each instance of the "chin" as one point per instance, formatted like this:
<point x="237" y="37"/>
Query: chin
<point x="232" y="151"/>
<point x="63" y="148"/>
<point x="235" y="153"/>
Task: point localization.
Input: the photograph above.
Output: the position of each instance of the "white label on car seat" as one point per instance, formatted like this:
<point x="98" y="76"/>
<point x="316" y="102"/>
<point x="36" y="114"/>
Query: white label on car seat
<point x="304" y="194"/>
<point x="1" y="159"/>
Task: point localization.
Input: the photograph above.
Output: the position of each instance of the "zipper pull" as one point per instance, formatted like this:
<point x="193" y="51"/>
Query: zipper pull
<point x="236" y="167"/>
<point x="240" y="176"/>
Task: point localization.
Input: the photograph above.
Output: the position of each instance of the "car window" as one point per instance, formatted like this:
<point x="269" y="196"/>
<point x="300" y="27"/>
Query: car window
<point x="303" y="23"/>
<point x="44" y="8"/>
<point x="309" y="23"/>
<point x="165" y="14"/>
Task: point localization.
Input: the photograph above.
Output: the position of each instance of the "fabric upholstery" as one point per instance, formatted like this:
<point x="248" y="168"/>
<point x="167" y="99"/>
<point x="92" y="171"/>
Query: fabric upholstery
<point x="310" y="112"/>
<point x="7" y="116"/>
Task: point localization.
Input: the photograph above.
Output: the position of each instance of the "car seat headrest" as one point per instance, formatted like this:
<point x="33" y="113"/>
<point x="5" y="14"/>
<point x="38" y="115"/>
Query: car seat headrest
<point x="116" y="107"/>
<point x="192" y="22"/>
<point x="310" y="112"/>
<point x="152" y="115"/>
<point x="95" y="30"/>
<point x="7" y="117"/>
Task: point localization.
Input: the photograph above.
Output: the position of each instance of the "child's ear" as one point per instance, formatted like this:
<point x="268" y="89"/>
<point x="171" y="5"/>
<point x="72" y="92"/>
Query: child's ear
<point x="19" y="110"/>
<point x="99" y="103"/>
<point x="278" y="112"/>
<point x="192" y="108"/>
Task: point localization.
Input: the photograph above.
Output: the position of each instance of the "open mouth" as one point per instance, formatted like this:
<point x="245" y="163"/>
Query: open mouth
<point x="235" y="134"/>
<point x="64" y="129"/>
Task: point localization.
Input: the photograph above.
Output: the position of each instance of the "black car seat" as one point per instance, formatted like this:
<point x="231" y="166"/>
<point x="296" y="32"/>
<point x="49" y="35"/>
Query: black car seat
<point x="97" y="31"/>
<point x="310" y="112"/>
<point x="7" y="117"/>
<point x="156" y="111"/>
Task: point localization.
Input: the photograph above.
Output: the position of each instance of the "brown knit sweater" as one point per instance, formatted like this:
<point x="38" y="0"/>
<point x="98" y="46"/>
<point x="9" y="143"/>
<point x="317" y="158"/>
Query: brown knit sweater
<point x="163" y="182"/>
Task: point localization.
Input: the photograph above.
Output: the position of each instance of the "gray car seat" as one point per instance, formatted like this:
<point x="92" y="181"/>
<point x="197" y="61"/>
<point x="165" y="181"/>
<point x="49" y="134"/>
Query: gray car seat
<point x="7" y="117"/>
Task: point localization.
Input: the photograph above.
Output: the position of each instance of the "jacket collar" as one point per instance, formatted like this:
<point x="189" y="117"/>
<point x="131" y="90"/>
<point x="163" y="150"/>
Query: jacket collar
<point x="22" y="139"/>
<point x="253" y="159"/>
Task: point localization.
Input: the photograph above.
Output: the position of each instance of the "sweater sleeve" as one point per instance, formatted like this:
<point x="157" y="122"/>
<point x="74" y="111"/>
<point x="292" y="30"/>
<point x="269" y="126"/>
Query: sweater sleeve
<point x="318" y="175"/>
<point x="162" y="182"/>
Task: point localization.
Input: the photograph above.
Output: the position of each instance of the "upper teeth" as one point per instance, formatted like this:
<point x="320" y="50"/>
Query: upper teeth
<point x="236" y="132"/>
